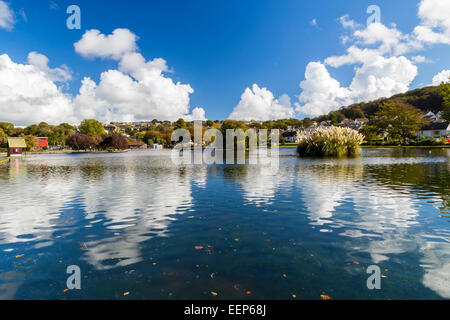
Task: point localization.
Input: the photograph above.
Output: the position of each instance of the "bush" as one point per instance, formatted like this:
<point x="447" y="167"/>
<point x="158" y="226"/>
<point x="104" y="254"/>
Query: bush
<point x="114" y="142"/>
<point x="332" y="142"/>
<point x="80" y="141"/>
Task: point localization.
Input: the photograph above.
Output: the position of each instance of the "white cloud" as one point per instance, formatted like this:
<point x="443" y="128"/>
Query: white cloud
<point x="40" y="61"/>
<point x="137" y="90"/>
<point x="321" y="93"/>
<point x="421" y="59"/>
<point x="259" y="104"/>
<point x="28" y="94"/>
<point x="443" y="76"/>
<point x="346" y="22"/>
<point x="376" y="77"/>
<point x="6" y="16"/>
<point x="435" y="21"/>
<point x="314" y="22"/>
<point x="381" y="69"/>
<point x="94" y="44"/>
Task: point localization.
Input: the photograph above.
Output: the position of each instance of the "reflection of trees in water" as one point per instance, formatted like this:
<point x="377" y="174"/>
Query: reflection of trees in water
<point x="432" y="177"/>
<point x="126" y="202"/>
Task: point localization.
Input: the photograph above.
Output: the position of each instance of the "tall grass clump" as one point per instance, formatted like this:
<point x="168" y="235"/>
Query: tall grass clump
<point x="331" y="142"/>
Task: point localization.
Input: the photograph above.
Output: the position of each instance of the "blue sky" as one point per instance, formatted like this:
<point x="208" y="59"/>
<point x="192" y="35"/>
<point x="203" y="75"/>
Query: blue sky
<point x="219" y="48"/>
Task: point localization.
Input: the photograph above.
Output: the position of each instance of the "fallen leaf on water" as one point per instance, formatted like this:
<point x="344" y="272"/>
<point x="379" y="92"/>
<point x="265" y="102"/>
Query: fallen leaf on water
<point x="131" y="271"/>
<point x="383" y="276"/>
<point x="355" y="262"/>
<point x="311" y="255"/>
<point x="294" y="296"/>
<point x="126" y="293"/>
<point x="154" y="263"/>
<point x="20" y="256"/>
<point x="325" y="297"/>
<point x="237" y="239"/>
<point x="65" y="290"/>
<point x="248" y="293"/>
<point x="215" y="294"/>
<point x="284" y="275"/>
<point x="198" y="247"/>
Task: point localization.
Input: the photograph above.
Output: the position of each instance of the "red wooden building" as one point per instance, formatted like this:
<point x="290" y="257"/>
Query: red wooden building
<point x="41" y="144"/>
<point x="16" y="146"/>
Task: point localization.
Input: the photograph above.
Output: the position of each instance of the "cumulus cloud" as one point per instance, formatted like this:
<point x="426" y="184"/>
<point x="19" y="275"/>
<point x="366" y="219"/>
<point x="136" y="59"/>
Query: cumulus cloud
<point x="40" y="61"/>
<point x="137" y="90"/>
<point x="381" y="67"/>
<point x="259" y="104"/>
<point x="321" y="93"/>
<point x="28" y="94"/>
<point x="435" y="21"/>
<point x="94" y="44"/>
<point x="443" y="76"/>
<point x="6" y="16"/>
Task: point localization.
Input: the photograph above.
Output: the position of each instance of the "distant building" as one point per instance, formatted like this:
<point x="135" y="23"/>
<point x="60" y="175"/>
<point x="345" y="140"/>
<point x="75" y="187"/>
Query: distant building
<point x="16" y="146"/>
<point x="135" y="145"/>
<point x="434" y="130"/>
<point x="291" y="136"/>
<point x="41" y="143"/>
<point x="361" y="121"/>
<point x="110" y="128"/>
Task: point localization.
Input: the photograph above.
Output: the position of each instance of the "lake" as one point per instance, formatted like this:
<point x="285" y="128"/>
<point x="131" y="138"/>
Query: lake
<point x="140" y="227"/>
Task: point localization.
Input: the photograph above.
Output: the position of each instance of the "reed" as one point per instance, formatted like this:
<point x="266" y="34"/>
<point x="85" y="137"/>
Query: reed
<point x="331" y="142"/>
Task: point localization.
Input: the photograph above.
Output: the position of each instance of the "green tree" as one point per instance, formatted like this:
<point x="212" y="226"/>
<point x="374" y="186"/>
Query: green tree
<point x="180" y="124"/>
<point x="91" y="128"/>
<point x="8" y="128"/>
<point x="3" y="138"/>
<point x="400" y="121"/>
<point x="444" y="91"/>
<point x="30" y="141"/>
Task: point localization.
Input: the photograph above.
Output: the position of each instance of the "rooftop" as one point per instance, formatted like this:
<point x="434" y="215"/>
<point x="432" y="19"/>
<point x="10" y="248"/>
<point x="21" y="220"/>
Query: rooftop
<point x="16" y="143"/>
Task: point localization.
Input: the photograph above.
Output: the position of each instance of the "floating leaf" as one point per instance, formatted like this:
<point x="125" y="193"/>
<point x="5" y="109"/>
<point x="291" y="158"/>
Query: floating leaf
<point x="20" y="256"/>
<point x="65" y="290"/>
<point x="198" y="247"/>
<point x="356" y="262"/>
<point x="325" y="297"/>
<point x="237" y="239"/>
<point x="248" y="293"/>
<point x="215" y="294"/>
<point x="126" y="293"/>
<point x="284" y="275"/>
<point x="294" y="296"/>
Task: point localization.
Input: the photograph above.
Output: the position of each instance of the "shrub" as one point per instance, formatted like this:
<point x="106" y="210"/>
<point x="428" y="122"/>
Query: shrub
<point x="80" y="141"/>
<point x="332" y="142"/>
<point x="114" y="142"/>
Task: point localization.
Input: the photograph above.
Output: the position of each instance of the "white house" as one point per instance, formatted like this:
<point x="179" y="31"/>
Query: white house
<point x="435" y="130"/>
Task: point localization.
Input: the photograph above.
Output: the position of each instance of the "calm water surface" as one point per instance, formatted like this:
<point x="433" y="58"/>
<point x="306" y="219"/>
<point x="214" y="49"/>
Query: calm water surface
<point x="137" y="223"/>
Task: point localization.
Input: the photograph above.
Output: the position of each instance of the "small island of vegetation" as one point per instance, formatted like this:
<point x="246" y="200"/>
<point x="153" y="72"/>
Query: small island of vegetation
<point x="332" y="142"/>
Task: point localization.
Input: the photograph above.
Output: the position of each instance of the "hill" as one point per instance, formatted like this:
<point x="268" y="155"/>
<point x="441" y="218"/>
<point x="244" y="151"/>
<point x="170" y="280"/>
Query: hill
<point x="425" y="99"/>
